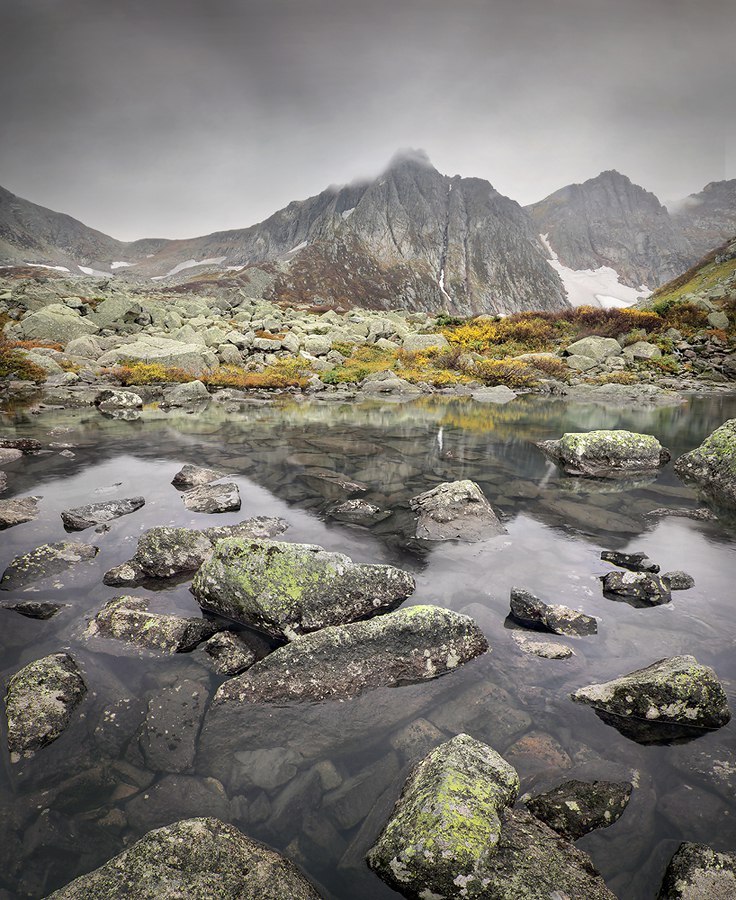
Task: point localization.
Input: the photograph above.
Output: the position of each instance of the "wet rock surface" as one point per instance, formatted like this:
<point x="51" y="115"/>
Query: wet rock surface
<point x="698" y="872"/>
<point x="543" y="649"/>
<point x="455" y="510"/>
<point x="98" y="513"/>
<point x="195" y="476"/>
<point x="45" y="562"/>
<point x="648" y="589"/>
<point x="213" y="498"/>
<point x="204" y="857"/>
<point x="712" y="465"/>
<point x="337" y="662"/>
<point x="606" y="453"/>
<point x="635" y="562"/>
<point x="577" y="807"/>
<point x="535" y="613"/>
<point x="679" y="580"/>
<point x="292" y="589"/>
<point x="40" y="701"/>
<point x="18" y="511"/>
<point x="228" y="653"/>
<point x="43" y="609"/>
<point x="358" y="512"/>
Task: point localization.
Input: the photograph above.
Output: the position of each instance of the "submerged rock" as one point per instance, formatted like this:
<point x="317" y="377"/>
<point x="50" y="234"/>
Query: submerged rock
<point x="228" y="653"/>
<point x="456" y="510"/>
<point x="40" y="701"/>
<point x="130" y="619"/>
<point x="673" y="691"/>
<point x="213" y="498"/>
<point x="679" y="580"/>
<point x="606" y="453"/>
<point x="108" y="400"/>
<point x="697" y="872"/>
<point x="535" y="613"/>
<point x="636" y="562"/>
<point x="35" y="610"/>
<point x="577" y="807"/>
<point x="401" y="647"/>
<point x="648" y="589"/>
<point x="543" y="649"/>
<point x="165" y="552"/>
<point x="291" y="589"/>
<point x="712" y="465"/>
<point x="197" y="858"/>
<point x="195" y="476"/>
<point x="82" y="517"/>
<point x="17" y="511"/>
<point x="358" y="512"/>
<point x="44" y="562"/>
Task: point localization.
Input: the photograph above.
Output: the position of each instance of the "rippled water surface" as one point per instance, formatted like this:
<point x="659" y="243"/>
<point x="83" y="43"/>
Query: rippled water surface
<point x="329" y="773"/>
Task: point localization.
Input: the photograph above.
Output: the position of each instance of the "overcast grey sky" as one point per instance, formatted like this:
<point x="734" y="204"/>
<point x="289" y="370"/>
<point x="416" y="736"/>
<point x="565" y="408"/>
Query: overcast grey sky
<point x="180" y="117"/>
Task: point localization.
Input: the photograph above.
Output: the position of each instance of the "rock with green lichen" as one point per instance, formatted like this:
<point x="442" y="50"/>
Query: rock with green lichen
<point x="455" y="510"/>
<point x="673" y="691"/>
<point x="40" y="701"/>
<point x="578" y="807"/>
<point x="129" y="619"/>
<point x="165" y="552"/>
<point x="697" y="872"/>
<point x="606" y="454"/>
<point x="17" y="511"/>
<point x="228" y="653"/>
<point x="43" y="562"/>
<point x="644" y="587"/>
<point x="452" y="835"/>
<point x="196" y="858"/>
<point x="402" y="647"/>
<point x="712" y="465"/>
<point x="212" y="498"/>
<point x="291" y="589"/>
<point x="535" y="613"/>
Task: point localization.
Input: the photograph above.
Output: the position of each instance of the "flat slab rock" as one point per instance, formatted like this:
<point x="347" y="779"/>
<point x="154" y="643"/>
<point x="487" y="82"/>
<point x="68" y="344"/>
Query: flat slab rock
<point x="358" y="512"/>
<point x="197" y="858"/>
<point x="45" y="561"/>
<point x="697" y="872"/>
<point x="165" y="552"/>
<point x="455" y="510"/>
<point x="130" y="619"/>
<point x="672" y="691"/>
<point x="32" y="609"/>
<point x="82" y="517"/>
<point x="213" y="498"/>
<point x="40" y="701"/>
<point x="543" y="649"/>
<point x="535" y="613"/>
<point x="606" y="453"/>
<point x="712" y="465"/>
<point x="635" y="562"/>
<point x="17" y="511"/>
<point x="288" y="590"/>
<point x="337" y="662"/>
<point x="195" y="476"/>
<point x="578" y="807"/>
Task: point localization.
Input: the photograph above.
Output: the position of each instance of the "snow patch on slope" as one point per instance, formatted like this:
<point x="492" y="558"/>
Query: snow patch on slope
<point x="190" y="264"/>
<point x="594" y="287"/>
<point x="41" y="266"/>
<point x="120" y="264"/>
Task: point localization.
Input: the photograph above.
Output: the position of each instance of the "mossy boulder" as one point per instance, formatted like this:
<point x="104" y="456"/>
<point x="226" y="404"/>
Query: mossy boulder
<point x="712" y="465"/>
<point x="291" y="589"/>
<point x="673" y="691"/>
<point x="196" y="858"/>
<point x="40" y="701"/>
<point x="45" y="561"/>
<point x="697" y="872"/>
<point x="455" y="510"/>
<point x="606" y="454"/>
<point x="402" y="647"/>
<point x="578" y="807"/>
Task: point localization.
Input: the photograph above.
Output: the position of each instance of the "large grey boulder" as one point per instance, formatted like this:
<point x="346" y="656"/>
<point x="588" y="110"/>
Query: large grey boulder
<point x="199" y="859"/>
<point x="195" y="359"/>
<point x="164" y="552"/>
<point x="191" y="392"/>
<point x="712" y="465"/>
<point x="57" y="323"/>
<point x="43" y="562"/>
<point x="17" y="511"/>
<point x="456" y="510"/>
<point x="193" y="476"/>
<point x="115" y="311"/>
<point x="417" y="343"/>
<point x="82" y="517"/>
<point x="606" y="453"/>
<point x="213" y="498"/>
<point x="697" y="872"/>
<point x="40" y="701"/>
<point x="595" y="348"/>
<point x="110" y="400"/>
<point x="578" y="807"/>
<point x="290" y="589"/>
<point x="86" y="346"/>
<point x="130" y="619"/>
<point x="401" y="647"/>
<point x="452" y="834"/>
<point x="673" y="691"/>
<point x="555" y="618"/>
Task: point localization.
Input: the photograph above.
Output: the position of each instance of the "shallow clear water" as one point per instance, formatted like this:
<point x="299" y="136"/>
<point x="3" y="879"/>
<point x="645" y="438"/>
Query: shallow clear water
<point x="324" y="796"/>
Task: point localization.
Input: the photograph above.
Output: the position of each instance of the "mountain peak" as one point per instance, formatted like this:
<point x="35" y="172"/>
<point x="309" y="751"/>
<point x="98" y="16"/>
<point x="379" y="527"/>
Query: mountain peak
<point x="409" y="156"/>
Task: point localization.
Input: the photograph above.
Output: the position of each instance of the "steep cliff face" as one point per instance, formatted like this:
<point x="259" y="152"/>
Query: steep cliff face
<point x="707" y="218"/>
<point x="609" y="221"/>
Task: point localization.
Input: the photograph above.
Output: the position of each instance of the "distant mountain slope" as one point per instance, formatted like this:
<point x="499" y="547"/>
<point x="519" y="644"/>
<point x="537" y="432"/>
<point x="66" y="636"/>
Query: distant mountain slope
<point x="709" y="217"/>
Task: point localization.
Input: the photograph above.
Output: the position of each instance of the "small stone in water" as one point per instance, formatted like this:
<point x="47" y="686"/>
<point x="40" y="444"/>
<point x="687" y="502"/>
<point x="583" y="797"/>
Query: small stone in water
<point x="35" y="610"/>
<point x="679" y="580"/>
<point x="543" y="649"/>
<point x="637" y="562"/>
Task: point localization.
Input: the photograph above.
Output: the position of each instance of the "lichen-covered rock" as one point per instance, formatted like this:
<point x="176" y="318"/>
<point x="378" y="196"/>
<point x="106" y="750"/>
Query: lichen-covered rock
<point x="291" y="589"/>
<point x="165" y="552"/>
<point x="199" y="859"/>
<point x="456" y="510"/>
<point x="17" y="511"/>
<point x="595" y="348"/>
<point x="697" y="872"/>
<point x="56" y="322"/>
<point x="649" y="589"/>
<point x="635" y="562"/>
<point x="447" y="821"/>
<point x="213" y="498"/>
<point x="712" y="465"/>
<point x="679" y="580"/>
<point x="606" y="454"/>
<point x="33" y="609"/>
<point x="358" y="512"/>
<point x="110" y="399"/>
<point x="44" y="562"/>
<point x="673" y="691"/>
<point x="535" y="613"/>
<point x="40" y="701"/>
<point x="192" y="392"/>
<point x="577" y="807"/>
<point x="195" y="476"/>
<point x="130" y="619"/>
<point x="228" y="653"/>
<point x="82" y="517"/>
<point x="401" y="647"/>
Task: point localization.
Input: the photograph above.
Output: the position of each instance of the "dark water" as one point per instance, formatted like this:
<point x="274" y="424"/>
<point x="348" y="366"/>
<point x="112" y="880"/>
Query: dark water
<point x="317" y="782"/>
